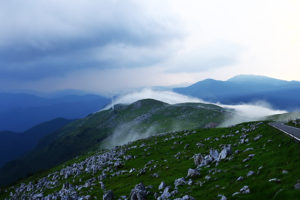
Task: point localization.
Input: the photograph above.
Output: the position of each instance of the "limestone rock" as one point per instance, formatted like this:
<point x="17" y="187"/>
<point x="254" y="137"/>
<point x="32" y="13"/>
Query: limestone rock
<point x="108" y="195"/>
<point x="139" y="192"/>
<point x="245" y="190"/>
<point x="193" y="173"/>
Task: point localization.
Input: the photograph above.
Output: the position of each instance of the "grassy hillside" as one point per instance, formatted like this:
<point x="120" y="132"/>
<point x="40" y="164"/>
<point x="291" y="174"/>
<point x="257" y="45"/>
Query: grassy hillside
<point x="109" y="128"/>
<point x="261" y="160"/>
<point x="284" y="117"/>
<point x="295" y="123"/>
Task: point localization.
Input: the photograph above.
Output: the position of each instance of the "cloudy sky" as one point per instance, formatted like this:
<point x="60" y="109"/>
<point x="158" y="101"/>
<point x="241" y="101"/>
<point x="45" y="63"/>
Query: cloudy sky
<point x="112" y="45"/>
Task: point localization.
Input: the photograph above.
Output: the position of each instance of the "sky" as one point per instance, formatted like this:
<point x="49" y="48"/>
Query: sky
<point x="107" y="46"/>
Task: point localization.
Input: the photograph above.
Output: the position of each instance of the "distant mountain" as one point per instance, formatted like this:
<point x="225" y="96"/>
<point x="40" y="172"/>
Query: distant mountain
<point x="19" y="111"/>
<point x="247" y="89"/>
<point x="13" y="145"/>
<point x="112" y="127"/>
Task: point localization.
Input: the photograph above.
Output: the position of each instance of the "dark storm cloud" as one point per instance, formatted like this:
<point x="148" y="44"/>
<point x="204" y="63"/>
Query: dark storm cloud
<point x="52" y="38"/>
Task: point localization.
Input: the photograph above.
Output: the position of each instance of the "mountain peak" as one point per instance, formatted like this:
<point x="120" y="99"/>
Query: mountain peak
<point x="247" y="78"/>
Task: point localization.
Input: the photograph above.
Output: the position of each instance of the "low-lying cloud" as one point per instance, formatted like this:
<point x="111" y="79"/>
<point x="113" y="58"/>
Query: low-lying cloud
<point x="164" y="96"/>
<point x="126" y="133"/>
<point x="237" y="113"/>
<point x="249" y="112"/>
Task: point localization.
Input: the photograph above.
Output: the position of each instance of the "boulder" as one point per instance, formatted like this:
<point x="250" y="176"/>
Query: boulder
<point x="240" y="178"/>
<point x="276" y="180"/>
<point x="162" y="185"/>
<point x="198" y="159"/>
<point x="214" y="154"/>
<point x="250" y="173"/>
<point x="139" y="192"/>
<point x="245" y="190"/>
<point x="193" y="173"/>
<point x="179" y="181"/>
<point x="166" y="194"/>
<point x="226" y="151"/>
<point x="257" y="137"/>
<point x="222" y="197"/>
<point x="297" y="186"/>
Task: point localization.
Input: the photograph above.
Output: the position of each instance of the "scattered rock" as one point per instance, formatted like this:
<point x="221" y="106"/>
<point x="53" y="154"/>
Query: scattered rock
<point x="257" y="137"/>
<point x="155" y="175"/>
<point x="187" y="197"/>
<point x="250" y="173"/>
<point x="179" y="181"/>
<point x="297" y="186"/>
<point x="139" y="192"/>
<point x="165" y="195"/>
<point x="240" y="178"/>
<point x="109" y="195"/>
<point x="193" y="173"/>
<point x="276" y="180"/>
<point x="245" y="190"/>
<point x="198" y="159"/>
<point x="285" y="172"/>
<point x="226" y="151"/>
<point x="214" y="154"/>
<point x="248" y="149"/>
<point x="222" y="197"/>
<point x="162" y="185"/>
<point x="199" y="145"/>
<point x="236" y="193"/>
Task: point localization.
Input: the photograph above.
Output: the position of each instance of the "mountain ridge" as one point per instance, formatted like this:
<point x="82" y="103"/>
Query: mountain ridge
<point x="241" y="89"/>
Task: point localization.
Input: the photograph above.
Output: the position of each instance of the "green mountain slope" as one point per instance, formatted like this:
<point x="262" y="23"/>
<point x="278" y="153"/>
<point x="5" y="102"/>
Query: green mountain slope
<point x="111" y="127"/>
<point x="248" y="161"/>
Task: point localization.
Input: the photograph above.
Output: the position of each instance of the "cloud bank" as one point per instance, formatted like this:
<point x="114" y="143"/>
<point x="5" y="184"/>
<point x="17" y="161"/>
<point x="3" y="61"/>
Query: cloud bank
<point x="164" y="96"/>
<point x="127" y="132"/>
<point x="241" y="113"/>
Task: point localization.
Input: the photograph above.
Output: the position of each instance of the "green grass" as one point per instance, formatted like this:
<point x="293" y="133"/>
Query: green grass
<point x="282" y="153"/>
<point x="290" y="123"/>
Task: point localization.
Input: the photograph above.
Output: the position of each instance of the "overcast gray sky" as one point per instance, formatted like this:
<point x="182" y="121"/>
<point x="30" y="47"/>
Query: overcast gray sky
<point x="110" y="45"/>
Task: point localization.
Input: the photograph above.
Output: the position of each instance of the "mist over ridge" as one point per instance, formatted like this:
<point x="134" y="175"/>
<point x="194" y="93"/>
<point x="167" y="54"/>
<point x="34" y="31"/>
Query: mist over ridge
<point x="254" y="111"/>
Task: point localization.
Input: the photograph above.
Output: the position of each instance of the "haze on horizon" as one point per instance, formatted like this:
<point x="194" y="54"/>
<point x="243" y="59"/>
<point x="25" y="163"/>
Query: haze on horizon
<point x="107" y="46"/>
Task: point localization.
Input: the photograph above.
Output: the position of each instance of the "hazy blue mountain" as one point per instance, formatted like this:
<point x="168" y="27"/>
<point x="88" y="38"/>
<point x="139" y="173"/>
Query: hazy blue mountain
<point x="246" y="89"/>
<point x="12" y="144"/>
<point x="19" y="111"/>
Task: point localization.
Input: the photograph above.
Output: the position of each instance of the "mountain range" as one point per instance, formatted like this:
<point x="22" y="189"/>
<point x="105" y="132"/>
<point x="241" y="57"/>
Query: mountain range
<point x="241" y="89"/>
<point x="20" y="111"/>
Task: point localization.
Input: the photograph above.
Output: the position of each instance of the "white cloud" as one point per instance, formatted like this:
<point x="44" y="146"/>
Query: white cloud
<point x="240" y="113"/>
<point x="164" y="96"/>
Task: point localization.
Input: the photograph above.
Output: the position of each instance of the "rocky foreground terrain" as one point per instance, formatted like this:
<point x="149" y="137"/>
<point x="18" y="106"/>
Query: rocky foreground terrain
<point x="248" y="161"/>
